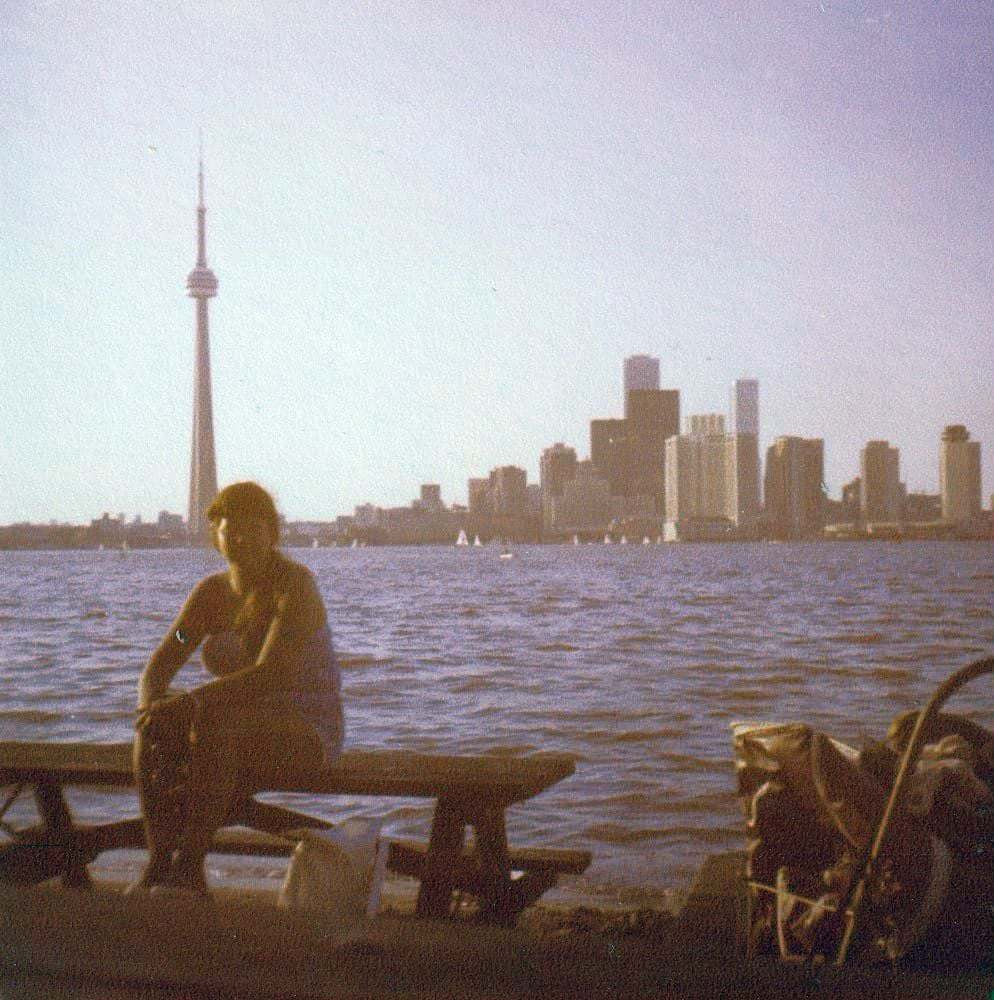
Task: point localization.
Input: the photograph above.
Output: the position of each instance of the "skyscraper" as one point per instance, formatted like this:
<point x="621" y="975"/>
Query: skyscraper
<point x="640" y="372"/>
<point x="610" y="451"/>
<point x="653" y="415"/>
<point x="201" y="285"/>
<point x="881" y="496"/>
<point x="959" y="475"/>
<point x="556" y="469"/>
<point x="794" y="498"/>
<point x="745" y="407"/>
<point x="743" y="452"/>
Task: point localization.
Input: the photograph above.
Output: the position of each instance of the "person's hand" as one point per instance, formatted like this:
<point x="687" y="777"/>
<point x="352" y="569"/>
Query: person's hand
<point x="171" y="711"/>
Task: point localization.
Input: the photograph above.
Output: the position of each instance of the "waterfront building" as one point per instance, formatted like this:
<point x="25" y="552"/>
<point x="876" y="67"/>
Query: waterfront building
<point x="923" y="508"/>
<point x="533" y="501"/>
<point x="959" y="475"/>
<point x="430" y="497"/>
<point x="610" y="451"/>
<point x="585" y="504"/>
<point x="479" y="500"/>
<point x="793" y="487"/>
<point x="508" y="491"/>
<point x="202" y="286"/>
<point x="744" y="471"/>
<point x="641" y="371"/>
<point x="652" y="416"/>
<point x="881" y="492"/>
<point x="741" y="482"/>
<point x="695" y="476"/>
<point x="366" y="515"/>
<point x="630" y="453"/>
<point x="851" y="493"/>
<point x="556" y="468"/>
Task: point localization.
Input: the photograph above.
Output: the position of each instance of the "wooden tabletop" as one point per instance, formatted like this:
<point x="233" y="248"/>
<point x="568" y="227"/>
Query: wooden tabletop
<point x="356" y="772"/>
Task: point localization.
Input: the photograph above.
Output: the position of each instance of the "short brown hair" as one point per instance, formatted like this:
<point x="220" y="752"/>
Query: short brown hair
<point x="246" y="499"/>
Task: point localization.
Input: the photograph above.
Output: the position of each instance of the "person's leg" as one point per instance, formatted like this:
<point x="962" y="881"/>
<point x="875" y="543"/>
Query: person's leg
<point x="161" y="760"/>
<point x="225" y="758"/>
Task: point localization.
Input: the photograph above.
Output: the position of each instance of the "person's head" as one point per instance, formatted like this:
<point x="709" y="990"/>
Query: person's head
<point x="245" y="525"/>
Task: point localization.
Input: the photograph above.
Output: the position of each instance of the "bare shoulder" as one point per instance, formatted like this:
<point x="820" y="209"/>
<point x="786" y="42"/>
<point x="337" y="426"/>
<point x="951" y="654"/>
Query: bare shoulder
<point x="207" y="607"/>
<point x="298" y="583"/>
<point x="212" y="589"/>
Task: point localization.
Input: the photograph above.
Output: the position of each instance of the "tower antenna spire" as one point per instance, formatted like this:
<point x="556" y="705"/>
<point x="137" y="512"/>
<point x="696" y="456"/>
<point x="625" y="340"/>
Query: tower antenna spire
<point x="200" y="172"/>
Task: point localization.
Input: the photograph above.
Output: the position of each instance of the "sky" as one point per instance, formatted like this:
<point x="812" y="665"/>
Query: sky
<point x="439" y="228"/>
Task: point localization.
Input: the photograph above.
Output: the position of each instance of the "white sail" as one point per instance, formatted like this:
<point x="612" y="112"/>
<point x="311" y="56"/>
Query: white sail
<point x="645" y="540"/>
<point x="607" y="539"/>
<point x="476" y="541"/>
<point x="576" y="539"/>
<point x="624" y="539"/>
<point x="462" y="539"/>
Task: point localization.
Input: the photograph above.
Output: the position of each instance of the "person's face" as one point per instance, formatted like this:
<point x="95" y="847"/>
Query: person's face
<point x="244" y="541"/>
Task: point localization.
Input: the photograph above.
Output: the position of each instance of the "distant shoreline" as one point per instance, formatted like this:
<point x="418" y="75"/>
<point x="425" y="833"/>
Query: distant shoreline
<point x="293" y="544"/>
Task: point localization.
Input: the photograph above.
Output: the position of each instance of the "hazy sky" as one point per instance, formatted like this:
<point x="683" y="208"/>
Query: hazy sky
<point x="440" y="227"/>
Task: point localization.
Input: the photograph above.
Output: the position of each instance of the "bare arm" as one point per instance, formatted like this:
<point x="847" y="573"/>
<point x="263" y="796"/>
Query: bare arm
<point x="178" y="644"/>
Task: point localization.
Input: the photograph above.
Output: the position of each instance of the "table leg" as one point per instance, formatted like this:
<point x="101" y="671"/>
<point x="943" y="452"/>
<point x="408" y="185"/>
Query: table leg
<point x="448" y="828"/>
<point x="61" y="833"/>
<point x="495" y="869"/>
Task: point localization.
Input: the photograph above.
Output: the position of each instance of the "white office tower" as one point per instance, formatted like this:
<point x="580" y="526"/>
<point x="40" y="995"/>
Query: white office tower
<point x="959" y="475"/>
<point x="697" y="482"/>
<point x="641" y="372"/>
<point x="742" y="455"/>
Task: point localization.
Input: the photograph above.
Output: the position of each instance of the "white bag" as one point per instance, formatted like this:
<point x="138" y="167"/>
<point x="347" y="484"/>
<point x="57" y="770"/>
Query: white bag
<point x="340" y="870"/>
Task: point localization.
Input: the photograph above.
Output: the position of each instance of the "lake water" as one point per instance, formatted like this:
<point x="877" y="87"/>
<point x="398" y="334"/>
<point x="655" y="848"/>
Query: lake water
<point x="636" y="659"/>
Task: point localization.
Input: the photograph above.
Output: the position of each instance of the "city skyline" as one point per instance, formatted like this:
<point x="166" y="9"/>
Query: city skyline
<point x="436" y="257"/>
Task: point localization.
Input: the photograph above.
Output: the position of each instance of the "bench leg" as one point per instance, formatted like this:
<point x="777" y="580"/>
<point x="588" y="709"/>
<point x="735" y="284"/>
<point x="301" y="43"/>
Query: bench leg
<point x="444" y="851"/>
<point x="61" y="833"/>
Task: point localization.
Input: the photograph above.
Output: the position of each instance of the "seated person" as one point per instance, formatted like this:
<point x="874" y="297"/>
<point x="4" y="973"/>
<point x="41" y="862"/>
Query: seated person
<point x="273" y="710"/>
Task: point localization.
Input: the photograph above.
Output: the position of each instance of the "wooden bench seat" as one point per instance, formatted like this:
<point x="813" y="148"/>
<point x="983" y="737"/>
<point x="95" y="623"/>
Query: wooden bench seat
<point x="468" y="791"/>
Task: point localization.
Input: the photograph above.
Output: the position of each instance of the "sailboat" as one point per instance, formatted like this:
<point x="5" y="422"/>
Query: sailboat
<point x="576" y="539"/>
<point x="624" y="540"/>
<point x="607" y="539"/>
<point x="645" y="540"/>
<point x="462" y="539"/>
<point x="355" y="543"/>
<point x="476" y="542"/>
<point x="314" y="543"/>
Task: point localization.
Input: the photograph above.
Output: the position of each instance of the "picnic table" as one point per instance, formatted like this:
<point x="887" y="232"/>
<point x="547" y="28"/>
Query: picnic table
<point x="468" y="792"/>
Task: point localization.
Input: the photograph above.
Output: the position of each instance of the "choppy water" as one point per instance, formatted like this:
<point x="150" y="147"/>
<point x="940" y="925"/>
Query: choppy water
<point x="636" y="659"/>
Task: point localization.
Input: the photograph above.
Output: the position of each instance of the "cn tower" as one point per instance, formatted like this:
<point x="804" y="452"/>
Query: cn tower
<point x="201" y="285"/>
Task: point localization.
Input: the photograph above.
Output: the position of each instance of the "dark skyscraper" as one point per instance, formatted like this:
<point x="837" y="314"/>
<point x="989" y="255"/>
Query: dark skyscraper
<point x="610" y="452"/>
<point x="795" y="469"/>
<point x="201" y="285"/>
<point x="653" y="415"/>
